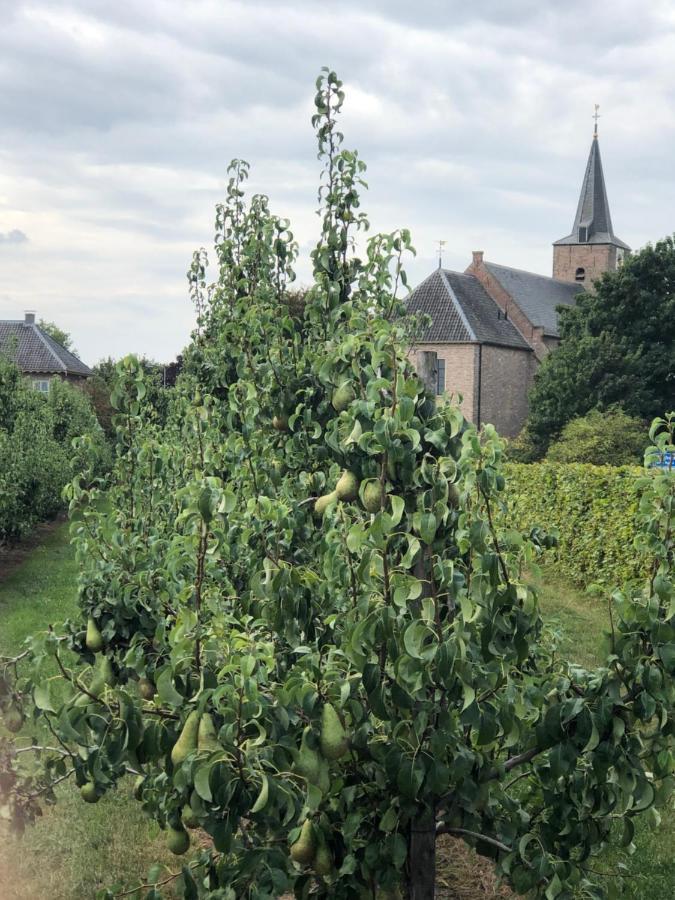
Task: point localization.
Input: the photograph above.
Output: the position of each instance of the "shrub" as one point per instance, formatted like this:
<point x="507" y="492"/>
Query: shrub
<point x="592" y="508"/>
<point x="44" y="442"/>
<point x="612" y="438"/>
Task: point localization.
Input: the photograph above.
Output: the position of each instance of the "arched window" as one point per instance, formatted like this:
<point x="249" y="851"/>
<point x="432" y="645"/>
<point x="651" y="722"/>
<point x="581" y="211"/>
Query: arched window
<point x="580" y="274"/>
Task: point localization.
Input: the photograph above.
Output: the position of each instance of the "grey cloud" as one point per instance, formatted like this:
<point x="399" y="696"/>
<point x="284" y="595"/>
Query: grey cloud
<point x="474" y="119"/>
<point x="15" y="236"/>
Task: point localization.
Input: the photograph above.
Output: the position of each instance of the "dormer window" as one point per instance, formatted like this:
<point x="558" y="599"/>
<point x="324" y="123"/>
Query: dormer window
<point x="580" y="274"/>
<point x="583" y="234"/>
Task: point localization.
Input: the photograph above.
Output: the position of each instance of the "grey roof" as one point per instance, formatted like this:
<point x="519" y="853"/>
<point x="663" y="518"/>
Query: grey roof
<point x="593" y="223"/>
<point x="537" y="295"/>
<point x="26" y="344"/>
<point x="461" y="311"/>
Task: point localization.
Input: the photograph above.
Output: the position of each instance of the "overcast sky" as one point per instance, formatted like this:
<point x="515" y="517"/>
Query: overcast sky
<point x="117" y="121"/>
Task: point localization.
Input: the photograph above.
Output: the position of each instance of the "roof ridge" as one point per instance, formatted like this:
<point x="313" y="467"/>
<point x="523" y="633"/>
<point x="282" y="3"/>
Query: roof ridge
<point x="458" y="306"/>
<point x="527" y="272"/>
<point x="36" y="328"/>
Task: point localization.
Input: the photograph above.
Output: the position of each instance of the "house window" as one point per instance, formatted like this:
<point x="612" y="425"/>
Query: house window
<point x="41" y="385"/>
<point x="580" y="274"/>
<point x="583" y="234"/>
<point x="440" y="376"/>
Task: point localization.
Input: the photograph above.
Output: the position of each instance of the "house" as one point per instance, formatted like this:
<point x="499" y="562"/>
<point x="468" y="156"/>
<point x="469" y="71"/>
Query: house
<point x="39" y="356"/>
<point x="492" y="325"/>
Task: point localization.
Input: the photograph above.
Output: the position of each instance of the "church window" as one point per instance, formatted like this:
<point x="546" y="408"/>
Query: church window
<point x="580" y="274"/>
<point x="440" y="376"/>
<point x="583" y="234"/>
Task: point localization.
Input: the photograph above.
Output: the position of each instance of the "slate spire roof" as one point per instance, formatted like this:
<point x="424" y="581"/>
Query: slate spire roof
<point x="34" y="351"/>
<point x="592" y="223"/>
<point x="461" y="311"/>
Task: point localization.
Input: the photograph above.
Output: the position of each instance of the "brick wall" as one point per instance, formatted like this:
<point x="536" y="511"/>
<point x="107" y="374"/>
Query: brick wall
<point x="506" y="377"/>
<point x="593" y="258"/>
<point x="459" y="371"/>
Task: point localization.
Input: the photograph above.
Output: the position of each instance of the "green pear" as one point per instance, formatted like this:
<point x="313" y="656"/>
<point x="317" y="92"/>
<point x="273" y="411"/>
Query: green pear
<point x="323" y="781"/>
<point x="88" y="792"/>
<point x="303" y="850"/>
<point x="347" y="488"/>
<point x="334" y="742"/>
<point x="94" y="639"/>
<point x="189" y="817"/>
<point x="308" y="761"/>
<point x="323" y="503"/>
<point x="323" y="861"/>
<point x="104" y="677"/>
<point x="138" y="787"/>
<point x="146" y="688"/>
<point x="343" y="396"/>
<point x="372" y="496"/>
<point x="187" y="742"/>
<point x="13" y="719"/>
<point x="207" y="738"/>
<point x="280" y="422"/>
<point x="178" y="840"/>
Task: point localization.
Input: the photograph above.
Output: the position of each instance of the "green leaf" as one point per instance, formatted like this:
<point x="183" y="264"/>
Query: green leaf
<point x="42" y="695"/>
<point x="263" y="796"/>
<point x="201" y="781"/>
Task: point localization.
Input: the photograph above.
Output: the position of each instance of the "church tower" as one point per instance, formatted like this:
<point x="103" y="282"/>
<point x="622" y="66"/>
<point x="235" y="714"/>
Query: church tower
<point x="592" y="248"/>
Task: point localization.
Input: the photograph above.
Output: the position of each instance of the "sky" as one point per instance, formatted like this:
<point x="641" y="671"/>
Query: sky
<point x="118" y="120"/>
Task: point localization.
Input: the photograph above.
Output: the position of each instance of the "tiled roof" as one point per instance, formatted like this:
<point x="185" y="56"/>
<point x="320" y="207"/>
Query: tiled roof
<point x="461" y="312"/>
<point x="593" y="223"/>
<point x="26" y="344"/>
<point x="537" y="295"/>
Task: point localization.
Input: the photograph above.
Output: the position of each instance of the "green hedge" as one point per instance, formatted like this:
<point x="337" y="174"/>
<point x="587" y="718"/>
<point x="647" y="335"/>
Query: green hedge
<point x="593" y="508"/>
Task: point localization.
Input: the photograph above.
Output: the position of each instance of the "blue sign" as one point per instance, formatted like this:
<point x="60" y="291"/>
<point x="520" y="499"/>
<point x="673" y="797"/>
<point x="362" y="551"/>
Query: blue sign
<point x="667" y="461"/>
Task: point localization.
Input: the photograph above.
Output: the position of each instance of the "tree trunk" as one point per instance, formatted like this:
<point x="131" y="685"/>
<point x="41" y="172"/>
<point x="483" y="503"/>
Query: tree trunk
<point x="422" y="857"/>
<point x="427" y="369"/>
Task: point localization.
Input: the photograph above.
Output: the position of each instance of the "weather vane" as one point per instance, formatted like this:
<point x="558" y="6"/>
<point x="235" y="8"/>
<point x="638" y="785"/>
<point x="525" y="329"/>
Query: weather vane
<point x="441" y="244"/>
<point x="596" y="116"/>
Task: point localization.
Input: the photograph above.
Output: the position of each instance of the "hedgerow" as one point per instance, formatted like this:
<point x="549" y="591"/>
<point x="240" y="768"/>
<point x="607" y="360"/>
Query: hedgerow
<point x="593" y="509"/>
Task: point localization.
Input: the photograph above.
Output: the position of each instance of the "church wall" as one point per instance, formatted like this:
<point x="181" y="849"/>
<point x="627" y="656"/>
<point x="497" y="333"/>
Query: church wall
<point x="459" y="371"/>
<point x="506" y="377"/>
<point x="593" y="258"/>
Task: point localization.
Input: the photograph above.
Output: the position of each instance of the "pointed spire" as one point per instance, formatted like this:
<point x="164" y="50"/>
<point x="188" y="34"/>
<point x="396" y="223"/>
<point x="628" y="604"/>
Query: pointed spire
<point x="593" y="223"/>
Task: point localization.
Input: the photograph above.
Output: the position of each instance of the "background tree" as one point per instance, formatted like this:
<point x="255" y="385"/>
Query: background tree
<point x="617" y="347"/>
<point x="612" y="438"/>
<point x="301" y="629"/>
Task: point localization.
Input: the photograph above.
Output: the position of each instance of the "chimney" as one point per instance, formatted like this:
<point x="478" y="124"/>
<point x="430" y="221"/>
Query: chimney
<point x="477" y="258"/>
<point x="29" y="318"/>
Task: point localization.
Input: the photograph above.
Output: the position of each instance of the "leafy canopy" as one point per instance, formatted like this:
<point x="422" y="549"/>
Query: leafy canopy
<point x="617" y="347"/>
<point x="302" y="630"/>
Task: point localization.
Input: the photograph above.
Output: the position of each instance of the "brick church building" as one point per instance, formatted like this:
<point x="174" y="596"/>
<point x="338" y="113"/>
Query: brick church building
<point x="491" y="325"/>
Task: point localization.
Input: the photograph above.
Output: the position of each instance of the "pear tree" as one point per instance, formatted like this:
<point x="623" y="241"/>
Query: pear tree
<point x="307" y="631"/>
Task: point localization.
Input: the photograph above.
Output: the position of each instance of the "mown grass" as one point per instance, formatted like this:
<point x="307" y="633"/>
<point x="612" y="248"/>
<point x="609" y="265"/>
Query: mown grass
<point x="75" y="848"/>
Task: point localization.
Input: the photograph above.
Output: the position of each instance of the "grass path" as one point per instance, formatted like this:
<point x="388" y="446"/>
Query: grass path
<point x="76" y="848"/>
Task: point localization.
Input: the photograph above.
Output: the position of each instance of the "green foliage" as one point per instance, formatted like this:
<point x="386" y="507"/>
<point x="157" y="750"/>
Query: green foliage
<point x="375" y="675"/>
<point x="591" y="508"/>
<point x="523" y="448"/>
<point x="611" y="438"/>
<point x="617" y="347"/>
<point x="44" y="441"/>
